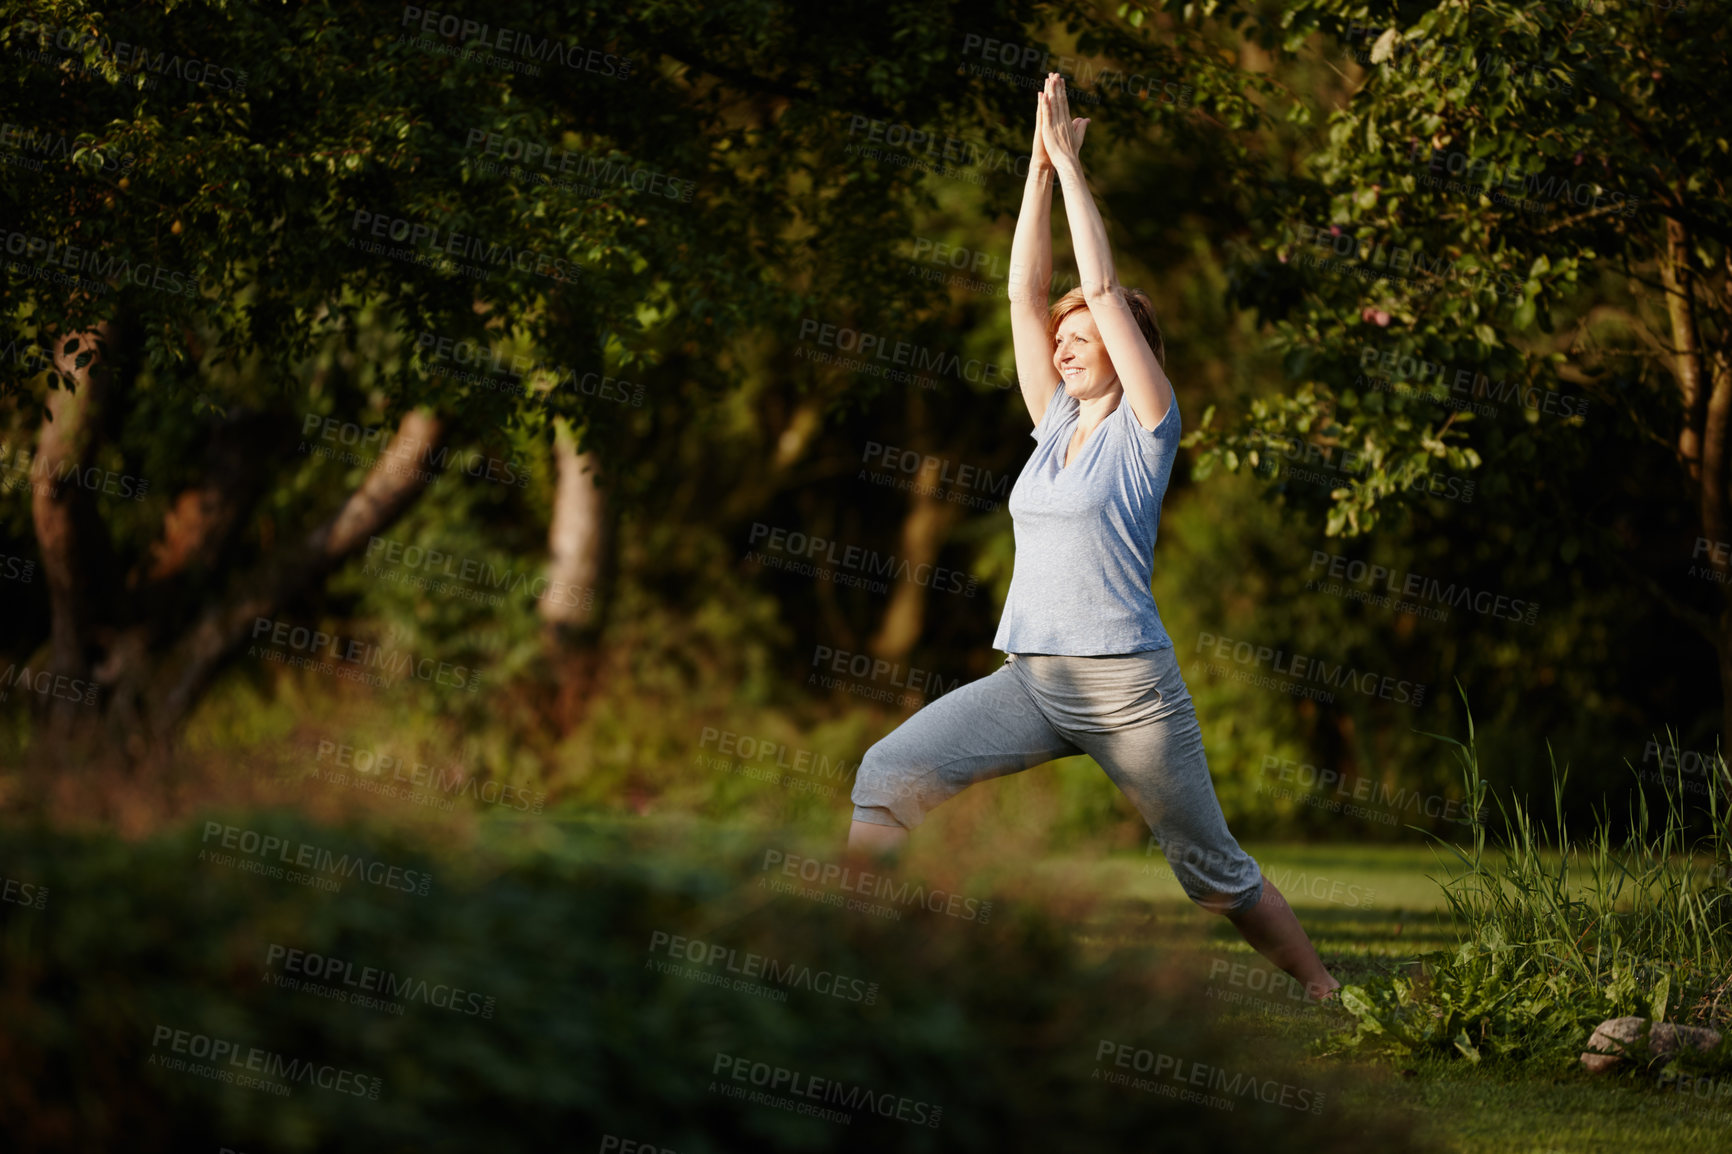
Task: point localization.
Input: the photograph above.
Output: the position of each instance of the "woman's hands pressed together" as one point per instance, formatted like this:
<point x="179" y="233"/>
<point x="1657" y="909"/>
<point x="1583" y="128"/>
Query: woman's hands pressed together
<point x="1057" y="137"/>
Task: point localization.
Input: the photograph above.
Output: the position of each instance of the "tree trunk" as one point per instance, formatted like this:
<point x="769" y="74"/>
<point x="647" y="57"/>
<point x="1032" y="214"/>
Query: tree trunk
<point x="68" y="529"/>
<point x="1715" y="483"/>
<point x="924" y="531"/>
<point x="576" y="537"/>
<point x="576" y="545"/>
<point x="1680" y="282"/>
<point x="1705" y="387"/>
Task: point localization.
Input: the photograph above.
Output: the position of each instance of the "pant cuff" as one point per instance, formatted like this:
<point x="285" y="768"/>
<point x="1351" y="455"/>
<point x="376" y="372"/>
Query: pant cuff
<point x="876" y="815"/>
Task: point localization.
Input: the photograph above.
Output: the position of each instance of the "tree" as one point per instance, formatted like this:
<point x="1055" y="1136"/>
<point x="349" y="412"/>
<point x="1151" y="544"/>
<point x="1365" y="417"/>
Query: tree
<point x="1518" y="205"/>
<point x="246" y="225"/>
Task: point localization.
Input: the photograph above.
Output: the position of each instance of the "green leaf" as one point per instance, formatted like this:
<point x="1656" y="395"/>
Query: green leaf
<point x="1385" y="46"/>
<point x="1354" y="1001"/>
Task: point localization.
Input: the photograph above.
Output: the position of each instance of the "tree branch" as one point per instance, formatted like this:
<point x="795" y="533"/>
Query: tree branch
<point x="392" y="486"/>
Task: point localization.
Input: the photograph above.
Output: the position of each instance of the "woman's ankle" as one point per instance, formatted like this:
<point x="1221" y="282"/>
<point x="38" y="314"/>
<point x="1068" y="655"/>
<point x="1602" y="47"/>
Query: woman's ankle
<point x="1324" y="989"/>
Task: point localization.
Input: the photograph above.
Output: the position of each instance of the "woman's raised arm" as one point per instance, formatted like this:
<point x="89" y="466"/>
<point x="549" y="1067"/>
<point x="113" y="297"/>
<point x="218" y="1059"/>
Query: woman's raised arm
<point x="1030" y="278"/>
<point x="1147" y="389"/>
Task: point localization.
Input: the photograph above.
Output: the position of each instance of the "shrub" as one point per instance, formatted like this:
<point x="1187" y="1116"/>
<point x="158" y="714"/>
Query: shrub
<point x="993" y="1019"/>
<point x="1557" y="936"/>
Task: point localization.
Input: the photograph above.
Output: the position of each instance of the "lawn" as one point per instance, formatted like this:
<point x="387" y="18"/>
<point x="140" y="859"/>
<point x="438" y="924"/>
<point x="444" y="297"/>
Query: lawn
<point x="1366" y="907"/>
<point x="1488" y="1109"/>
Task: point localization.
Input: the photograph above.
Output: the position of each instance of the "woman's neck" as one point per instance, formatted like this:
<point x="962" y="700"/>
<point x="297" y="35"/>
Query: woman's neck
<point x="1097" y="409"/>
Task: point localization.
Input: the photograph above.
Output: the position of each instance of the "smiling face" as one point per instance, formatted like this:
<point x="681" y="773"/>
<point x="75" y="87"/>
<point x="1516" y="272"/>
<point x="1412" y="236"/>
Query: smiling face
<point x="1081" y="358"/>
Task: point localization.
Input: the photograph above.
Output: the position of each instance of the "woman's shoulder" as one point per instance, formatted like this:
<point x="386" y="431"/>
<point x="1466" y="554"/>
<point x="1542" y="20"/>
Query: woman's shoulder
<point x="1167" y="426"/>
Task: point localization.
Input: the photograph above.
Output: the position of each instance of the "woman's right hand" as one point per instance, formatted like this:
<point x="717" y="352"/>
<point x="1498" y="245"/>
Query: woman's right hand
<point x="1040" y="158"/>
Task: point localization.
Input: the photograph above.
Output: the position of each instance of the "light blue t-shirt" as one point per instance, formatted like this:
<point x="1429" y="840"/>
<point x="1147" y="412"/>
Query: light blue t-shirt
<point x="1085" y="535"/>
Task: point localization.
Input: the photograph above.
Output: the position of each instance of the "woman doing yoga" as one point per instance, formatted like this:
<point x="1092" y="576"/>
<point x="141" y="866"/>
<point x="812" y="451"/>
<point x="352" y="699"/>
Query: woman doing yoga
<point x="1089" y="666"/>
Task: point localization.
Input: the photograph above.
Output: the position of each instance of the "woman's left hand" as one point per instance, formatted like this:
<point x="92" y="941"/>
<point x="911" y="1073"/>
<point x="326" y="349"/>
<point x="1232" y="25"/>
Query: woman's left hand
<point x="1062" y="135"/>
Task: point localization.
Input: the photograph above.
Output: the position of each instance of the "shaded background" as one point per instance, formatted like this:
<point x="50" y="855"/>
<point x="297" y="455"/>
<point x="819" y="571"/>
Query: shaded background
<point x="614" y="238"/>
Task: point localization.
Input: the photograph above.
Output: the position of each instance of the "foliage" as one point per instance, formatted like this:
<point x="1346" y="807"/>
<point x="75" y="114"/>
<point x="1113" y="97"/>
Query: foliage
<point x="1559" y="936"/>
<point x="995" y="1019"/>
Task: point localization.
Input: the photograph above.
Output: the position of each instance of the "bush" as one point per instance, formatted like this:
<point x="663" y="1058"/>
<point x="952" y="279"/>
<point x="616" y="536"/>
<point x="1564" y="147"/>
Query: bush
<point x="1558" y="937"/>
<point x="993" y="1019"/>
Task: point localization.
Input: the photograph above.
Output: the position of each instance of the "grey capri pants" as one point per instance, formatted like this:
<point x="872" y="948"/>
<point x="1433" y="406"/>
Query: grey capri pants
<point x="1130" y="712"/>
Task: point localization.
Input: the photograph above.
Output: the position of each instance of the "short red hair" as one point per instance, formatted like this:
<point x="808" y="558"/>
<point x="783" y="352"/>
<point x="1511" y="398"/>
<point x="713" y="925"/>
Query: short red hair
<point x="1141" y="307"/>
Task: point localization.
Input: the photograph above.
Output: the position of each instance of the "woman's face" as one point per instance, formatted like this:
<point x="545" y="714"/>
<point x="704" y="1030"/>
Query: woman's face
<point x="1081" y="359"/>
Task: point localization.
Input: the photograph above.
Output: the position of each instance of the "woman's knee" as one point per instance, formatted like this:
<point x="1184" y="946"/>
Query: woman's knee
<point x="885" y="782"/>
<point x="881" y="769"/>
<point x="1222" y="881"/>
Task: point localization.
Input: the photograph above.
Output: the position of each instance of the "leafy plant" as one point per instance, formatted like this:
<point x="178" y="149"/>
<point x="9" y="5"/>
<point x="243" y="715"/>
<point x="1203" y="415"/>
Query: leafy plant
<point x="1560" y="936"/>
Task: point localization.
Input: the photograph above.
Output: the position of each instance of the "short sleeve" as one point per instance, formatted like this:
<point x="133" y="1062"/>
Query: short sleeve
<point x="1057" y="406"/>
<point x="1159" y="439"/>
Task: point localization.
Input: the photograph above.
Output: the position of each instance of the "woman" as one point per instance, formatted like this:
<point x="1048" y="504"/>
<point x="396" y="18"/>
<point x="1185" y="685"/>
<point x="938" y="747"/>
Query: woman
<point x="1090" y="669"/>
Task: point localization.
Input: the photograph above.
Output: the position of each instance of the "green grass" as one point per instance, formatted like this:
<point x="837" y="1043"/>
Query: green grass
<point x="1514" y="1108"/>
